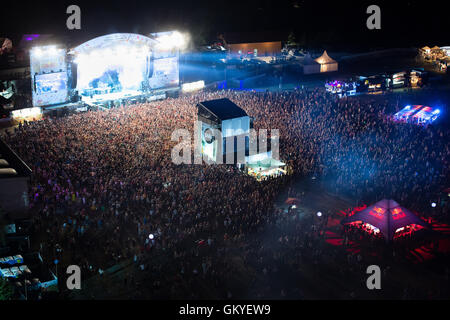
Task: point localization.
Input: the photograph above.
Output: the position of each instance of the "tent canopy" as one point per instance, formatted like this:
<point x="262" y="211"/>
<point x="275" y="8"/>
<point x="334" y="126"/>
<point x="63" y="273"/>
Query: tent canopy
<point x="325" y="58"/>
<point x="388" y="216"/>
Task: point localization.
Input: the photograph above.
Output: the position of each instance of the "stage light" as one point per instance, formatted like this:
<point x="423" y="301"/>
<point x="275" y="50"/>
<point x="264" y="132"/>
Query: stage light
<point x="37" y="51"/>
<point x="94" y="55"/>
<point x="433" y="204"/>
<point x="143" y="52"/>
<point x="121" y="50"/>
<point x="51" y="50"/>
<point x="319" y="214"/>
<point x="172" y="40"/>
<point x="151" y="236"/>
<point x="27" y="112"/>
<point x="80" y="58"/>
<point x="108" y="52"/>
<point x="133" y="51"/>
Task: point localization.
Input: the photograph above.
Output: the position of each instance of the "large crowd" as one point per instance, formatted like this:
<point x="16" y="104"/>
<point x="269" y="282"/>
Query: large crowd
<point x="103" y="181"/>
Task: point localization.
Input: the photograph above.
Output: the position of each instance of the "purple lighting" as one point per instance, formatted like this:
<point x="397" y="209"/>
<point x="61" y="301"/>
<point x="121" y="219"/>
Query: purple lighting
<point x="31" y="37"/>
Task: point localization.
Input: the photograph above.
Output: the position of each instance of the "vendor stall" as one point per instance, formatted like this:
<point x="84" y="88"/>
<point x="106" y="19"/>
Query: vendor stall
<point x="266" y="168"/>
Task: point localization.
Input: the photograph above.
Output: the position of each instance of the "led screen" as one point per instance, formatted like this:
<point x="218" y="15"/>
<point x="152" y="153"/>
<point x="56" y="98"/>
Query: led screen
<point x="51" y="83"/>
<point x="165" y="73"/>
<point x="49" y="80"/>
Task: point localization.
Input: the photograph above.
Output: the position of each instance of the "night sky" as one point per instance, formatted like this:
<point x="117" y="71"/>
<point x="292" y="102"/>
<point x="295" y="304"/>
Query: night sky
<point x="316" y="23"/>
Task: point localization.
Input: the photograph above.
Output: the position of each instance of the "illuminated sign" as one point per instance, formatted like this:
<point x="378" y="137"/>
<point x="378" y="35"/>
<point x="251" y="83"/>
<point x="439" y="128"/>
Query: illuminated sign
<point x="397" y="213"/>
<point x="377" y="212"/>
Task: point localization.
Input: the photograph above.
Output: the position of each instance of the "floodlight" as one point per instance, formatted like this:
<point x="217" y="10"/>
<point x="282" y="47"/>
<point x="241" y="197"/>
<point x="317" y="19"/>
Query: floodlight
<point x="171" y="41"/>
<point x="37" y="52"/>
<point x="52" y="50"/>
<point x="80" y="58"/>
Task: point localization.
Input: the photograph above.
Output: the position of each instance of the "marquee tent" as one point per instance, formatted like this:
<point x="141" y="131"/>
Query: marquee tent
<point x="438" y="52"/>
<point x="327" y="64"/>
<point x="387" y="216"/>
<point x="310" y="66"/>
<point x="446" y="50"/>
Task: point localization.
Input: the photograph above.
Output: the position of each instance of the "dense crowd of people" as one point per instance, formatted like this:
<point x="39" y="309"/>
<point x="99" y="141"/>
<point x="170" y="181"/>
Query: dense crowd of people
<point x="104" y="181"/>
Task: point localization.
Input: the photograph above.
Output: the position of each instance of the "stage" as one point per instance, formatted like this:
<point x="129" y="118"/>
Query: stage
<point x="111" y="96"/>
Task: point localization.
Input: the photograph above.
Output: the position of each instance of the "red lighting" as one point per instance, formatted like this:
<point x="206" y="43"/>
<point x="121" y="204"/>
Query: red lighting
<point x="397" y="213"/>
<point x="377" y="212"/>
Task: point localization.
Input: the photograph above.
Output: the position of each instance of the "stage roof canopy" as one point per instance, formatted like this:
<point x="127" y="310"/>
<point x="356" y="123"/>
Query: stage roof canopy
<point x="386" y="215"/>
<point x="114" y="39"/>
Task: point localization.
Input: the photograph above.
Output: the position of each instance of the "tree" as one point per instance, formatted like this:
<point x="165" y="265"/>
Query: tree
<point x="292" y="41"/>
<point x="6" y="290"/>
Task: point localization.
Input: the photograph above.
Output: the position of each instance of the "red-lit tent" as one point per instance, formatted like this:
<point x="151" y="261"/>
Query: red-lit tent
<point x="388" y="216"/>
<point x="291" y="201"/>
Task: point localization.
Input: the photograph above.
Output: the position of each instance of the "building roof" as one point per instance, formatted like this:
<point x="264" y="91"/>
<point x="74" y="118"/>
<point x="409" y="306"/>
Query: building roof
<point x="223" y="109"/>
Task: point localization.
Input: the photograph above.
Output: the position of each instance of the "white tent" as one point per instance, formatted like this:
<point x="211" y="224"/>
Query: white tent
<point x="310" y="66"/>
<point x="327" y="64"/>
<point x="446" y="50"/>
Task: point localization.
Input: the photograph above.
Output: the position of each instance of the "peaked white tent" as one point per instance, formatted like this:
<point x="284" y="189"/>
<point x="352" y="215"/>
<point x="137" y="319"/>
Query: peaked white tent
<point x="327" y="64"/>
